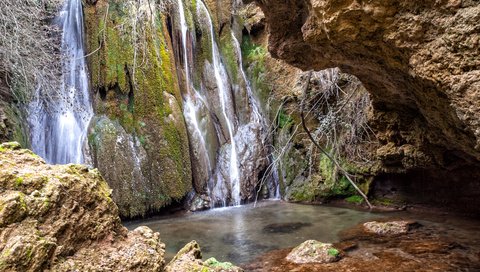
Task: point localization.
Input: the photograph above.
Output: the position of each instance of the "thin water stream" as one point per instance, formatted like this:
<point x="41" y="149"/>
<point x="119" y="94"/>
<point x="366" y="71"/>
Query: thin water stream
<point x="59" y="123"/>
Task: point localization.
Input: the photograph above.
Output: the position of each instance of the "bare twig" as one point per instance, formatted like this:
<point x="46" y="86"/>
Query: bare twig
<point x="328" y="155"/>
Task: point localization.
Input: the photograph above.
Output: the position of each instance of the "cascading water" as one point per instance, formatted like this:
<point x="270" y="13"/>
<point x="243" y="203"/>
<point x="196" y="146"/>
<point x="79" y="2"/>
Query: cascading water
<point x="221" y="81"/>
<point x="59" y="123"/>
<point x="192" y="99"/>
<point x="254" y="104"/>
<point x="257" y="116"/>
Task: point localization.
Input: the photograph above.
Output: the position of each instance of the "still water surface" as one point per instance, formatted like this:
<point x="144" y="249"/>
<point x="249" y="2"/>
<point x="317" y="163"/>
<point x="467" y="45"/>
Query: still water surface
<point x="239" y="234"/>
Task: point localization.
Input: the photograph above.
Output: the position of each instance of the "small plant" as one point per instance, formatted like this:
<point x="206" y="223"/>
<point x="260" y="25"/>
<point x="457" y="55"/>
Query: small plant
<point x="355" y="199"/>
<point x="284" y="120"/>
<point x="333" y="252"/>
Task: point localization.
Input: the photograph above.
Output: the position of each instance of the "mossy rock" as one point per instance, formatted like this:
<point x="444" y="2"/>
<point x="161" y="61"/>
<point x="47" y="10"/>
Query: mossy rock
<point x="137" y="90"/>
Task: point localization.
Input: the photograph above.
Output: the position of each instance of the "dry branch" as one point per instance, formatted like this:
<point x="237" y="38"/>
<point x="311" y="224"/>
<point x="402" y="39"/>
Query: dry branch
<point x="328" y="155"/>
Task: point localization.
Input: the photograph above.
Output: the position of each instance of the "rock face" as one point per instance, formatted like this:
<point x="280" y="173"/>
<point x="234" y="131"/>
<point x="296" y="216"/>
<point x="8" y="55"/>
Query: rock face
<point x="420" y="63"/>
<point x="139" y="140"/>
<point x="61" y="218"/>
<point x="189" y="258"/>
<point x="312" y="251"/>
<point x="337" y="108"/>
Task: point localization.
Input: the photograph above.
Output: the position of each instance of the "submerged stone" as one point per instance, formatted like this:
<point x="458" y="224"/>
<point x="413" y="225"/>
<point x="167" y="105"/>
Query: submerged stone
<point x="285" y="227"/>
<point x="389" y="228"/>
<point x="312" y="251"/>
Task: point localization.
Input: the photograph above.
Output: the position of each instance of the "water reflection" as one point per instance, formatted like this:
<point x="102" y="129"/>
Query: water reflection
<point x="240" y="234"/>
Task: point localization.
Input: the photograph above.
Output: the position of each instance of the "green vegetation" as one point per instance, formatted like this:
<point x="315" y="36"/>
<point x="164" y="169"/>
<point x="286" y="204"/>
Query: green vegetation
<point x="254" y="57"/>
<point x="333" y="252"/>
<point x="284" y="120"/>
<point x="228" y="52"/>
<point x="18" y="181"/>
<point x="212" y="262"/>
<point x="355" y="199"/>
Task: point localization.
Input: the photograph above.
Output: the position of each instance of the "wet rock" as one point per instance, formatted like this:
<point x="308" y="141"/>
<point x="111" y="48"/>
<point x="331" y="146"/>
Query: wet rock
<point x="313" y="251"/>
<point x="451" y="247"/>
<point x="62" y="217"/>
<point x="285" y="227"/>
<point x="389" y="228"/>
<point x="199" y="203"/>
<point x="150" y="167"/>
<point x="189" y="258"/>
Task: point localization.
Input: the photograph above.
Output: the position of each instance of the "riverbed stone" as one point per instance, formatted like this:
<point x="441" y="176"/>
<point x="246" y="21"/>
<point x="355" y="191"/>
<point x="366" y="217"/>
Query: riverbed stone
<point x="313" y="251"/>
<point x="389" y="228"/>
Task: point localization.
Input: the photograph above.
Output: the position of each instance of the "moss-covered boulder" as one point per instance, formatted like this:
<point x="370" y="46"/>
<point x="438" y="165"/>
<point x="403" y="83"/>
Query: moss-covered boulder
<point x="62" y="218"/>
<point x="136" y="88"/>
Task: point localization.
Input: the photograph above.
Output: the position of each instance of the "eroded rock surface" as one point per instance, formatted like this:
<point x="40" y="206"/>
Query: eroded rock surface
<point x="420" y="62"/>
<point x="62" y="218"/>
<point x="138" y="138"/>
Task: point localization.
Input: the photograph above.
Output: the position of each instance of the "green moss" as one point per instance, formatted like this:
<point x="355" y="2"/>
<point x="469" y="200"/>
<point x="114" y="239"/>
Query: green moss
<point x="229" y="55"/>
<point x="19" y="181"/>
<point x="212" y="262"/>
<point x="9" y="146"/>
<point x="284" y="120"/>
<point x="254" y="56"/>
<point x="355" y="199"/>
<point x="327" y="170"/>
<point x="333" y="252"/>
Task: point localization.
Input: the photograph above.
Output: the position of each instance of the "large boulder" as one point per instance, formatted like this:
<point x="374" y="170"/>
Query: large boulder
<point x="62" y="218"/>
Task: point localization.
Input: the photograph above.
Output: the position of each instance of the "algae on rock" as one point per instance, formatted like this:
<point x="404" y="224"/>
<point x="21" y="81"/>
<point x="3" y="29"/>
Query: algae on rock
<point x="61" y="218"/>
<point x="136" y="88"/>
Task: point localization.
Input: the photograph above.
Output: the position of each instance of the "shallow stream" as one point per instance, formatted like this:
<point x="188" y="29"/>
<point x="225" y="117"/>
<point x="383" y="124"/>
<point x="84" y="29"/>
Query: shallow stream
<point x="239" y="234"/>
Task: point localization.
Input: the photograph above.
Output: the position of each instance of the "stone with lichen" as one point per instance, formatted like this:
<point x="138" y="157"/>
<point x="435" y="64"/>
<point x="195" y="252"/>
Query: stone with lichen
<point x="62" y="218"/>
<point x="312" y="251"/>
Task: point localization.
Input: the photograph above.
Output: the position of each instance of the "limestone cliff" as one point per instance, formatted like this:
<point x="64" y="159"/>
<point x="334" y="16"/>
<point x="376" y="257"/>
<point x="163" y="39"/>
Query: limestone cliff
<point x="420" y="63"/>
<point x="62" y="218"/>
<point x="138" y="140"/>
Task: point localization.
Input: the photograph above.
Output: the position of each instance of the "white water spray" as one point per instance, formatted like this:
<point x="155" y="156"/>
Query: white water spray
<point x="221" y="79"/>
<point x="59" y="124"/>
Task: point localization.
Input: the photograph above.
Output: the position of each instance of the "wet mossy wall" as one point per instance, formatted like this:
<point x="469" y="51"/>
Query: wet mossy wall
<point x="135" y="84"/>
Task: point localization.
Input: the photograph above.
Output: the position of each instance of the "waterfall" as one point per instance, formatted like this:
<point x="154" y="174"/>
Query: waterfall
<point x="253" y="101"/>
<point x="221" y="81"/>
<point x="257" y="118"/>
<point x="59" y="123"/>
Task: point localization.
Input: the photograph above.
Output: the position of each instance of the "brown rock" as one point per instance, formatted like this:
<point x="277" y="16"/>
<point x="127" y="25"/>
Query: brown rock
<point x="389" y="228"/>
<point x="420" y="62"/>
<point x="61" y="218"/>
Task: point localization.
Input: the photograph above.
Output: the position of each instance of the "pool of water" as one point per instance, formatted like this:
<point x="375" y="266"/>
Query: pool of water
<point x="240" y="234"/>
